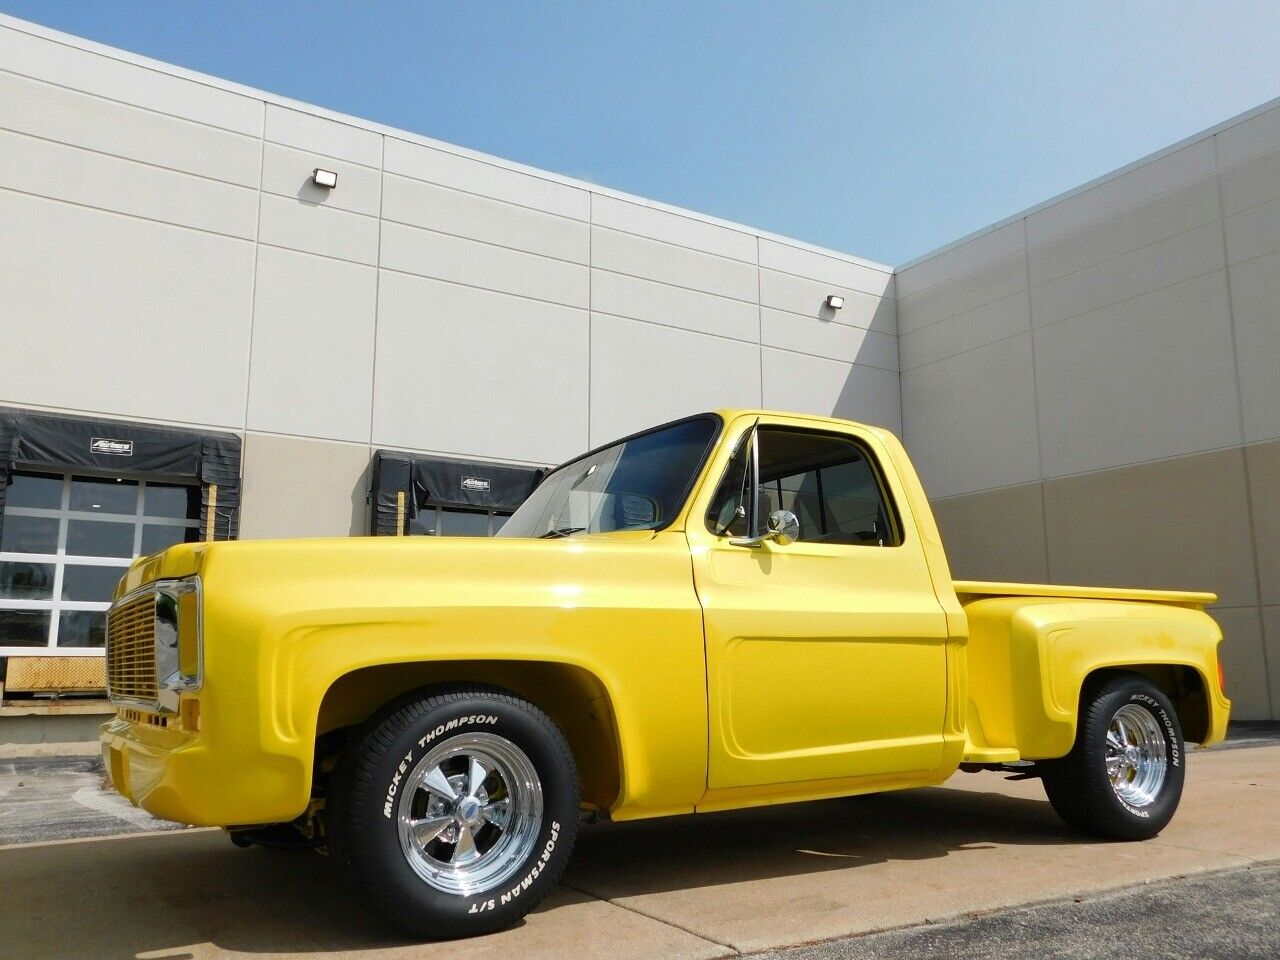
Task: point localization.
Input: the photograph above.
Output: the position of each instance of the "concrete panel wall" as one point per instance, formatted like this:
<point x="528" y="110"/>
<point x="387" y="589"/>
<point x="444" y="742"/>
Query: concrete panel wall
<point x="168" y="257"/>
<point x="1089" y="388"/>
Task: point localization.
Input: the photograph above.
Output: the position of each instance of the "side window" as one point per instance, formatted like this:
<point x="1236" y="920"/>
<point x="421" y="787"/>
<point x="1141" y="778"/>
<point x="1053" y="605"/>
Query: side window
<point x="828" y="481"/>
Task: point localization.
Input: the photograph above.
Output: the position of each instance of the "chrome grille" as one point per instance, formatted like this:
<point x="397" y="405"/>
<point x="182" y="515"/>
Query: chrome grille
<point x="131" y="649"/>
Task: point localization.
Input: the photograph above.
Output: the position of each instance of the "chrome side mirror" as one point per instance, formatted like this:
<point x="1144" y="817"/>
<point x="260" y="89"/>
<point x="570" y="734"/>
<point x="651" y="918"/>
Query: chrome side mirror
<point x="784" y="528"/>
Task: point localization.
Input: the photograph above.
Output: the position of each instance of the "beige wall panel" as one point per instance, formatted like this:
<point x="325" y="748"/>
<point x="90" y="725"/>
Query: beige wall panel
<point x="970" y="421"/>
<point x="330" y="138"/>
<point x="644" y="374"/>
<point x="988" y="284"/>
<point x="422" y="204"/>
<point x="1178" y="524"/>
<point x="148" y="320"/>
<point x="482" y="265"/>
<point x="68" y="116"/>
<point x="961" y="260"/>
<point x="1255" y="302"/>
<point x="287" y="172"/>
<point x="954" y="335"/>
<point x="312" y="366"/>
<point x="823" y="338"/>
<point x="998" y="535"/>
<point x="654" y="260"/>
<point x="1148" y="378"/>
<point x="108" y="183"/>
<point x="1128" y="230"/>
<point x="622" y="296"/>
<point x="1151" y="179"/>
<point x="1188" y="255"/>
<point x="486" y="178"/>
<point x="800" y="295"/>
<point x="95" y="73"/>
<point x="1254" y="232"/>
<point x="299" y="225"/>
<point x="829" y="388"/>
<point x="1263" y="462"/>
<point x="786" y="258"/>
<point x="477" y="373"/>
<point x="1244" y="660"/>
<point x="1253" y="182"/>
<point x="672" y="227"/>
<point x="1271" y="643"/>
<point x="1240" y="141"/>
<point x="303" y="488"/>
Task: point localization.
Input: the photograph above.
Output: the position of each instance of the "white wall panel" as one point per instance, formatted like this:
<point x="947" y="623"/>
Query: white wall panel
<point x="124" y="186"/>
<point x="643" y="374"/>
<point x="655" y="260"/>
<point x="785" y="258"/>
<point x="1255" y="298"/>
<point x="107" y="76"/>
<point x="954" y="335"/>
<point x="67" y="116"/>
<point x="446" y="210"/>
<point x="987" y="284"/>
<point x="444" y="257"/>
<point x="301" y="225"/>
<point x="312" y="365"/>
<point x="829" y="388"/>
<point x="315" y="134"/>
<point x="806" y="297"/>
<point x="969" y="421"/>
<point x="965" y="258"/>
<point x="672" y="227"/>
<point x="471" y="372"/>
<point x="287" y="173"/>
<point x="485" y="178"/>
<point x="638" y="299"/>
<point x="1148" y="378"/>
<point x="122" y="316"/>
<point x="824" y="338"/>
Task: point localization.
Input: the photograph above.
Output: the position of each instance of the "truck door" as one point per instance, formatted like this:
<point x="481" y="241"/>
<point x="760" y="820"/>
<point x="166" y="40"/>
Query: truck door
<point x="826" y="656"/>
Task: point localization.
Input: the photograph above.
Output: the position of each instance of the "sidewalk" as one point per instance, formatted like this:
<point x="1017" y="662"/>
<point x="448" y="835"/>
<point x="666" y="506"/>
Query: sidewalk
<point x="690" y="887"/>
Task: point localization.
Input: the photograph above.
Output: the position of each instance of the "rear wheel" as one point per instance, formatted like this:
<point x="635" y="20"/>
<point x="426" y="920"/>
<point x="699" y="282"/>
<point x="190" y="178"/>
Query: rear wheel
<point x="1123" y="778"/>
<point x="454" y="814"/>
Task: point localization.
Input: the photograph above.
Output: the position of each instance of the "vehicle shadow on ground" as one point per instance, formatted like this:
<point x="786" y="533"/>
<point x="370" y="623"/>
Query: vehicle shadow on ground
<point x="193" y="894"/>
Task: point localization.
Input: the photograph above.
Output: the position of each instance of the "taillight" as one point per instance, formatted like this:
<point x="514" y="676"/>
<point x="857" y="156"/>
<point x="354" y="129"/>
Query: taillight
<point x="1222" y="677"/>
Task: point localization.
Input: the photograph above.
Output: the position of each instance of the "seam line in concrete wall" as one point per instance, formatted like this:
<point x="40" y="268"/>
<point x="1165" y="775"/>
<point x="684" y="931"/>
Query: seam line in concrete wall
<point x="760" y="324"/>
<point x="377" y="294"/>
<point x="125" y="157"/>
<point x="1244" y="457"/>
<point x="1035" y="396"/>
<point x="319" y="153"/>
<point x="487" y="243"/>
<point x="833" y="323"/>
<point x="591" y="232"/>
<point x="128" y="216"/>
<point x="453" y="188"/>
<point x="253" y="286"/>
<point x="677" y="286"/>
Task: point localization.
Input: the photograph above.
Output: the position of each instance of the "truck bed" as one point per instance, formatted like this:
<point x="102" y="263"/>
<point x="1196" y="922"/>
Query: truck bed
<point x="969" y="590"/>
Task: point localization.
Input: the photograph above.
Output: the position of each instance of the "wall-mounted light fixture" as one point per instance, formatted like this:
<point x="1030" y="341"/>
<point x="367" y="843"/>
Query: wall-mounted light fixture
<point x="834" y="302"/>
<point x="324" y="178"/>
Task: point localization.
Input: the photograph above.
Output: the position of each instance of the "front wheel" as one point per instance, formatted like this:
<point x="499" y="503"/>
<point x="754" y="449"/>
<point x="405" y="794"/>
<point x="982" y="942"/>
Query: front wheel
<point x="455" y="813"/>
<point x="1123" y="778"/>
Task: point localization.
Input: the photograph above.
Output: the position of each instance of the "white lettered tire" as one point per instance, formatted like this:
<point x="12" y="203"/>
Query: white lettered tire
<point x="453" y="813"/>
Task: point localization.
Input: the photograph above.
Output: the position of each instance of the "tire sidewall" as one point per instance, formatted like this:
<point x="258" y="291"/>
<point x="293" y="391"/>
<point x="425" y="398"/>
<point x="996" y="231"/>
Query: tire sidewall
<point x="1152" y="818"/>
<point x="402" y="894"/>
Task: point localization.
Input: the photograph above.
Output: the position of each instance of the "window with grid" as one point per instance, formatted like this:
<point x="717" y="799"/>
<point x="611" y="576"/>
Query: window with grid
<point x="65" y="543"/>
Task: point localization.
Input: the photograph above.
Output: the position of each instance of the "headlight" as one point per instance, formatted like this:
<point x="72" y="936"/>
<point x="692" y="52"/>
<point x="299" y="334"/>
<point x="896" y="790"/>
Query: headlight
<point x="179" y="657"/>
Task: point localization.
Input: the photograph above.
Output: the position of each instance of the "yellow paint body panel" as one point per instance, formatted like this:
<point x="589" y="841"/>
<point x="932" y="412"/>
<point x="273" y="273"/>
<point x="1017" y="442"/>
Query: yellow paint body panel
<point x="717" y="676"/>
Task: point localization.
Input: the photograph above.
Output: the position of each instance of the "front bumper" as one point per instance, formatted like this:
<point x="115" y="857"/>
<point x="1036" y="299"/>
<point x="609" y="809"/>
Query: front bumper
<point x="183" y="776"/>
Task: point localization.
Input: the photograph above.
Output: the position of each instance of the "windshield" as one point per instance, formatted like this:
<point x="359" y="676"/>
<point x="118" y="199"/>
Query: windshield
<point x="636" y="484"/>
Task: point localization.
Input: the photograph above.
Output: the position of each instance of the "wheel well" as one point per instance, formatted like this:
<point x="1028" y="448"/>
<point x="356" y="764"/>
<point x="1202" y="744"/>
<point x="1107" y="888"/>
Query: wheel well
<point x="1184" y="686"/>
<point x="572" y="697"/>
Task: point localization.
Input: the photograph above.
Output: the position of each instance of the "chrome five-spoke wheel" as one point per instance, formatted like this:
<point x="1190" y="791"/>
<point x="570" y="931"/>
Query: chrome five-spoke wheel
<point x="470" y="813"/>
<point x="1135" y="755"/>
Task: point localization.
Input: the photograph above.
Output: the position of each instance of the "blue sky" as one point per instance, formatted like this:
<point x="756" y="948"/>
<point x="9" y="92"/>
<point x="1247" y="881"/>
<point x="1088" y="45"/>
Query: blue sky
<point x="881" y="129"/>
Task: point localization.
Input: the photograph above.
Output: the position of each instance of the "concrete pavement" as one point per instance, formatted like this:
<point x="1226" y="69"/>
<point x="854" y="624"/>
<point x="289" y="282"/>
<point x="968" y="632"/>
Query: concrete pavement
<point x="689" y="887"/>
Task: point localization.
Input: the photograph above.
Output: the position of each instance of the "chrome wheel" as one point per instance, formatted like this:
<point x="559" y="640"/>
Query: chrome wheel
<point x="1136" y="757"/>
<point x="470" y="813"/>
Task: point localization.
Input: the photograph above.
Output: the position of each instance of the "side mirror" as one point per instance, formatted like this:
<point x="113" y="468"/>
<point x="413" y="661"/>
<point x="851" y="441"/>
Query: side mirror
<point x="784" y="528"/>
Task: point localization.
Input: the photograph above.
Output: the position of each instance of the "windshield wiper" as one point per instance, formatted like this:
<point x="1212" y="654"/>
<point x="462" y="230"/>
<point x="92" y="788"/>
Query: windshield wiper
<point x="560" y="532"/>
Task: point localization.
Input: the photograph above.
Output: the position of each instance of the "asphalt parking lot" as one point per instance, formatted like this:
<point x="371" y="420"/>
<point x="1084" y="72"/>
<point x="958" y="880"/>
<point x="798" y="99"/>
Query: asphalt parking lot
<point x="949" y="871"/>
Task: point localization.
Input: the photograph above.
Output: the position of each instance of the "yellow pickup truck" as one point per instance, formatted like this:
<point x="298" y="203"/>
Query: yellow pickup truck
<point x="735" y="609"/>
